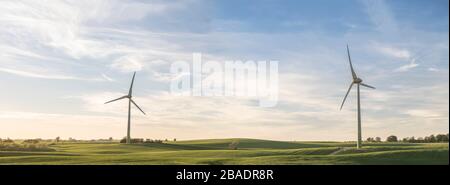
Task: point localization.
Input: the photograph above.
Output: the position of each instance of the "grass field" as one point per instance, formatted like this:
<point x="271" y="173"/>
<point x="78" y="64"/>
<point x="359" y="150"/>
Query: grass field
<point x="216" y="151"/>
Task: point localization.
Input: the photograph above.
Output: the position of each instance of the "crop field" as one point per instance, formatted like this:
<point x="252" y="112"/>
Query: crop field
<point x="218" y="152"/>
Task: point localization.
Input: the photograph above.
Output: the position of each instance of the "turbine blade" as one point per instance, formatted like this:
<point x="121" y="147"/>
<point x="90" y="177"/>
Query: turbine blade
<point x="345" y="97"/>
<point x="351" y="66"/>
<point x="131" y="86"/>
<point x="116" y="99"/>
<point x="137" y="106"/>
<point x="365" y="85"/>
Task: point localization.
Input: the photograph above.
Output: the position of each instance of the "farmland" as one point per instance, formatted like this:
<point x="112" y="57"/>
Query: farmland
<point x="218" y="152"/>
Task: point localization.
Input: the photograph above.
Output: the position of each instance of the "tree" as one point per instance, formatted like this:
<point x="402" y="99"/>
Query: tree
<point x="432" y="139"/>
<point x="174" y="139"/>
<point x="409" y="139"/>
<point x="378" y="139"/>
<point x="441" y="138"/>
<point x="110" y="139"/>
<point x="57" y="139"/>
<point x="7" y="140"/>
<point x="418" y="140"/>
<point x="123" y="140"/>
<point x="370" y="139"/>
<point x="427" y="139"/>
<point x="392" y="138"/>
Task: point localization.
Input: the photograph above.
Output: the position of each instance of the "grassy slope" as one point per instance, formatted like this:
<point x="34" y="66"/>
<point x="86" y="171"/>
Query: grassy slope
<point x="251" y="151"/>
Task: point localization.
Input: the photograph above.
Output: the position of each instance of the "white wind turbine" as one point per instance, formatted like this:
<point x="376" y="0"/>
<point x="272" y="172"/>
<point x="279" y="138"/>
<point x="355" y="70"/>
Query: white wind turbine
<point x="358" y="82"/>
<point x="129" y="106"/>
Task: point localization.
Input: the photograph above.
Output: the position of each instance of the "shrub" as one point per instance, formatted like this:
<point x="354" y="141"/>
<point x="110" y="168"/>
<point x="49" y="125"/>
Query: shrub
<point x="123" y="140"/>
<point x="153" y="141"/>
<point x="31" y="141"/>
<point x="7" y="141"/>
<point x="39" y="147"/>
<point x="137" y="140"/>
<point x="132" y="140"/>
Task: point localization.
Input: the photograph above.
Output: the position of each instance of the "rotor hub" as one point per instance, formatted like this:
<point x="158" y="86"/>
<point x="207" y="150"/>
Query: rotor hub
<point x="358" y="80"/>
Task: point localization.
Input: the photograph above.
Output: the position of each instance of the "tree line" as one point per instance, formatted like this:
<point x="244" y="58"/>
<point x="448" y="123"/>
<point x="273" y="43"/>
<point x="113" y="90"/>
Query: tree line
<point x="439" y="138"/>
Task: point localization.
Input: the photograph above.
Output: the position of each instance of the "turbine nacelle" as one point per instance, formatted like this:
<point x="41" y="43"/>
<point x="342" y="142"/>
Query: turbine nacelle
<point x="357" y="80"/>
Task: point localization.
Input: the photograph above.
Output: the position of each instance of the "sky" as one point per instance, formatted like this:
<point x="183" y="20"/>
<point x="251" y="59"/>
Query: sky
<point x="61" y="60"/>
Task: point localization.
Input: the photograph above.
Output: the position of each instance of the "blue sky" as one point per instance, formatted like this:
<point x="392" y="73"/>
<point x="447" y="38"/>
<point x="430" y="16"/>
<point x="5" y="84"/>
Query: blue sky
<point x="61" y="60"/>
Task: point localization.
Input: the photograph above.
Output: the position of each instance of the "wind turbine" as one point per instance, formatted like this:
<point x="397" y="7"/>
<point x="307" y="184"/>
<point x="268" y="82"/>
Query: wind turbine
<point x="358" y="81"/>
<point x="130" y="92"/>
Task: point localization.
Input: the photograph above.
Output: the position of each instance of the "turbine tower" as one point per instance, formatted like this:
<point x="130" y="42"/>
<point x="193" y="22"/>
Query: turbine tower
<point x="130" y="100"/>
<point x="358" y="81"/>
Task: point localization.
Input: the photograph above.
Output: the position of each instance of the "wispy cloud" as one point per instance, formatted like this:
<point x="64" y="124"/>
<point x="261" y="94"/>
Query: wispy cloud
<point x="66" y="31"/>
<point x="63" y="45"/>
<point x="38" y="75"/>
<point x="394" y="52"/>
<point x="381" y="16"/>
<point x="106" y="77"/>
<point x="433" y="69"/>
<point x="407" y="67"/>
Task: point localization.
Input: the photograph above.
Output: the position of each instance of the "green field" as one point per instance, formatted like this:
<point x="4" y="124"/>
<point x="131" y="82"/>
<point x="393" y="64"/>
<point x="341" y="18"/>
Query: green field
<point x="216" y="151"/>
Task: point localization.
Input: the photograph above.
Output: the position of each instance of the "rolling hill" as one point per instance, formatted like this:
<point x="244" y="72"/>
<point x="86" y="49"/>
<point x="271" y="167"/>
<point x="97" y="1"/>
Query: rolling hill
<point x="217" y="151"/>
